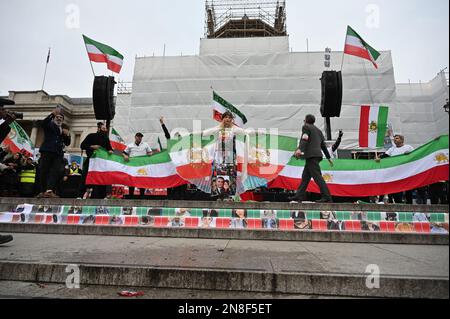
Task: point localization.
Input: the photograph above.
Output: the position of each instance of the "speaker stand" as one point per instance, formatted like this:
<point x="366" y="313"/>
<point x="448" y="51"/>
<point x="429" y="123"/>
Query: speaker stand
<point x="328" y="128"/>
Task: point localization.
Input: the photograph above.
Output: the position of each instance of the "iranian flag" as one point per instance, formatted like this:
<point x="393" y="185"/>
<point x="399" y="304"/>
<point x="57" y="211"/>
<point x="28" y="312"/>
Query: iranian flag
<point x="373" y="126"/>
<point x="220" y="106"/>
<point x="152" y="172"/>
<point x="117" y="142"/>
<point x="426" y="165"/>
<point x="260" y="158"/>
<point x="101" y="53"/>
<point x="19" y="141"/>
<point x="355" y="45"/>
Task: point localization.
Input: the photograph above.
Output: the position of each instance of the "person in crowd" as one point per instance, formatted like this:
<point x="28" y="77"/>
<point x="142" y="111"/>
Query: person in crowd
<point x="333" y="147"/>
<point x="75" y="169"/>
<point x="399" y="148"/>
<point x="166" y="131"/>
<point x="312" y="142"/>
<point x="27" y="178"/>
<point x="92" y="143"/>
<point x="6" y="118"/>
<point x="52" y="152"/>
<point x="4" y="151"/>
<point x="179" y="192"/>
<point x="136" y="149"/>
<point x="10" y="176"/>
<point x="439" y="193"/>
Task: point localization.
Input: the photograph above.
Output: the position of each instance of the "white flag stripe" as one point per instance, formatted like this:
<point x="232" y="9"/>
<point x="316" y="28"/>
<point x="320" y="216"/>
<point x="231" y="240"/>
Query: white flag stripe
<point x="221" y="109"/>
<point x="373" y="135"/>
<point x="354" y="41"/>
<point x="366" y="177"/>
<point x="153" y="170"/>
<point x="93" y="49"/>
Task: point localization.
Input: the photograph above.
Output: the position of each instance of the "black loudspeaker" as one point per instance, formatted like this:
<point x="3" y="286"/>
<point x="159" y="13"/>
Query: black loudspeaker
<point x="103" y="98"/>
<point x="331" y="104"/>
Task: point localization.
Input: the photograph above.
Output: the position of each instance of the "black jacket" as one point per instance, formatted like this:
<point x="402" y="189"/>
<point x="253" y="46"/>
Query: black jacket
<point x="95" y="139"/>
<point x="54" y="140"/>
<point x="4" y="131"/>
<point x="312" y="142"/>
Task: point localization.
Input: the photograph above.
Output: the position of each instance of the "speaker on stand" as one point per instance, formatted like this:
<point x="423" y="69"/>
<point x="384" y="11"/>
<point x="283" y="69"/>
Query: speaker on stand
<point x="331" y="104"/>
<point x="103" y="98"/>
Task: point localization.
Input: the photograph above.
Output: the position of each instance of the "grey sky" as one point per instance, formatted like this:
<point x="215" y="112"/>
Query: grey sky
<point x="417" y="32"/>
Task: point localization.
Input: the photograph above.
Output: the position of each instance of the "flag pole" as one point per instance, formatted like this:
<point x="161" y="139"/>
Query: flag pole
<point x="45" y="72"/>
<point x="343" y="51"/>
<point x="92" y="68"/>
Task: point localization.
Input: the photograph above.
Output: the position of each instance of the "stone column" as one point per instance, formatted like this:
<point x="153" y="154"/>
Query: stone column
<point x="34" y="132"/>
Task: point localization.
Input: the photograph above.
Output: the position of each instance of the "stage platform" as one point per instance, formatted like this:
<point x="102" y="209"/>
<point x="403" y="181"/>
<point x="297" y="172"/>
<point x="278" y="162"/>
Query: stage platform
<point x="223" y="248"/>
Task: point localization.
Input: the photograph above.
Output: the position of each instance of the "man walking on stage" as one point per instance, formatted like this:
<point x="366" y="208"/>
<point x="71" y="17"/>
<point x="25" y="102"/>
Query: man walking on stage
<point x="311" y="144"/>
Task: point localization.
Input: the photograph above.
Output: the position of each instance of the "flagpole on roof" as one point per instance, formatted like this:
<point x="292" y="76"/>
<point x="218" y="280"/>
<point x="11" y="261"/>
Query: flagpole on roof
<point x="45" y="72"/>
<point x="92" y="67"/>
<point x="343" y="51"/>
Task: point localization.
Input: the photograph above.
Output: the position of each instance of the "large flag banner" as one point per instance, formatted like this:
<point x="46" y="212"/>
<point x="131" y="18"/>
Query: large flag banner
<point x="426" y="165"/>
<point x="260" y="159"/>
<point x="153" y="172"/>
<point x="117" y="142"/>
<point x="373" y="126"/>
<point x="273" y="164"/>
<point x="102" y="53"/>
<point x="220" y="106"/>
<point x="19" y="141"/>
<point x="355" y="45"/>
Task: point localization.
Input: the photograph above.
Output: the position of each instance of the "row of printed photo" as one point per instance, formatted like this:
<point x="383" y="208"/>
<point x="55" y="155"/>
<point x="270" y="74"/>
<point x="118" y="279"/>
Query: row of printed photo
<point x="230" y="213"/>
<point x="239" y="221"/>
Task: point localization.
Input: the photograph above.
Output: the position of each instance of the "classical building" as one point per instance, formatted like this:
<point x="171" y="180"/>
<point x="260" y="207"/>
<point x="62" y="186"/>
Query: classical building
<point x="37" y="105"/>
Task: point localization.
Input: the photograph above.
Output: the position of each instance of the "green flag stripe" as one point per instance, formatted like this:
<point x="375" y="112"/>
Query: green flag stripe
<point x="229" y="106"/>
<point x="375" y="54"/>
<point x="382" y="125"/>
<point x="160" y="158"/>
<point x="264" y="141"/>
<point x="102" y="47"/>
<point x="439" y="144"/>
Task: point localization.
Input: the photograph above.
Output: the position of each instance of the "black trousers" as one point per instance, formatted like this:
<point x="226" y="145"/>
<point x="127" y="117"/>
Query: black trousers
<point x="398" y="198"/>
<point x="312" y="170"/>
<point x="99" y="191"/>
<point x="83" y="178"/>
<point x="51" y="169"/>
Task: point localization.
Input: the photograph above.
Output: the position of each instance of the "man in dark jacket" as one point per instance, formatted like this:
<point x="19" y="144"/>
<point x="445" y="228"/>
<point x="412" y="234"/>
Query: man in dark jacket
<point x="91" y="143"/>
<point x="52" y="152"/>
<point x="311" y="146"/>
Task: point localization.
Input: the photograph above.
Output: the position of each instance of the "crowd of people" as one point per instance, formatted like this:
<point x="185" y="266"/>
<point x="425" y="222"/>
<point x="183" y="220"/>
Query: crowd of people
<point x="21" y="175"/>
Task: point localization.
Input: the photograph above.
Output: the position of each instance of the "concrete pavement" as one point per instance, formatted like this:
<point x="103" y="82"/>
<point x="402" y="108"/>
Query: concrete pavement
<point x="299" y="268"/>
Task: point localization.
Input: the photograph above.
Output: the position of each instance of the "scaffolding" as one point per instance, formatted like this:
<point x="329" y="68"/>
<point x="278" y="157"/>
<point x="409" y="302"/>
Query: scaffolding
<point x="245" y="18"/>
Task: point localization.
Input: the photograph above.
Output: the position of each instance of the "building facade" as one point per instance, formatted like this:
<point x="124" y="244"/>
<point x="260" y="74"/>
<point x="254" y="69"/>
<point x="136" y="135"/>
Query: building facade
<point x="37" y="105"/>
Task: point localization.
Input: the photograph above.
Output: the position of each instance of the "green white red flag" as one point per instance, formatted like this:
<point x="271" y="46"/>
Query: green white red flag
<point x="426" y="165"/>
<point x="356" y="46"/>
<point x="19" y="141"/>
<point x="102" y="53"/>
<point x="275" y="166"/>
<point x="220" y="106"/>
<point x="117" y="142"/>
<point x="373" y="126"/>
